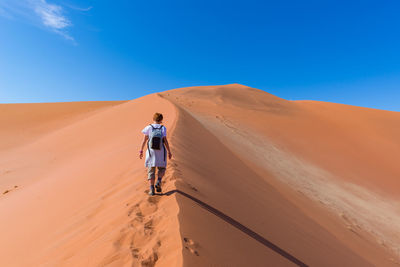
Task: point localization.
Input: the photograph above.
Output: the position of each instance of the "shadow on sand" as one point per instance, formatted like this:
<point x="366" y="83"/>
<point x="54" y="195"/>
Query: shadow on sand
<point x="241" y="227"/>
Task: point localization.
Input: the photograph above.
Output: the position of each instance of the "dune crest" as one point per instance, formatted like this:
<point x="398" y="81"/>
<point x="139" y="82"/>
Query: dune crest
<point x="255" y="180"/>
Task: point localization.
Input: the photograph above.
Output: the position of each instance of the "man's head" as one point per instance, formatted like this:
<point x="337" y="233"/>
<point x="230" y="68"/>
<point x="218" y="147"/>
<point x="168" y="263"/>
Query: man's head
<point x="157" y="117"/>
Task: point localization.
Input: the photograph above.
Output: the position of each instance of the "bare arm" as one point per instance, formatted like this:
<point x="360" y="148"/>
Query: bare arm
<point x="146" y="137"/>
<point x="167" y="146"/>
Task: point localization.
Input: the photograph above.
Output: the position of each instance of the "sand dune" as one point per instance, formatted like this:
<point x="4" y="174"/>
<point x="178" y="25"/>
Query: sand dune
<point x="80" y="199"/>
<point x="26" y="122"/>
<point x="256" y="180"/>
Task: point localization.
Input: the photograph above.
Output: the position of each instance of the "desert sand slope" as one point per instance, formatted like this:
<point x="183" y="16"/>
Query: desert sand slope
<point x="74" y="191"/>
<point x="267" y="182"/>
<point x="256" y="180"/>
<point x="22" y="123"/>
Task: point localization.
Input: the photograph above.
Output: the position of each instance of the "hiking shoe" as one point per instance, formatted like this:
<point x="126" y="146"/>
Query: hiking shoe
<point x="158" y="186"/>
<point x="151" y="191"/>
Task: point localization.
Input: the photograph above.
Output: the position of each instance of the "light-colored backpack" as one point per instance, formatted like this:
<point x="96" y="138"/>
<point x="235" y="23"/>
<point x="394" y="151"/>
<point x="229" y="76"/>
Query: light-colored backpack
<point x="156" y="138"/>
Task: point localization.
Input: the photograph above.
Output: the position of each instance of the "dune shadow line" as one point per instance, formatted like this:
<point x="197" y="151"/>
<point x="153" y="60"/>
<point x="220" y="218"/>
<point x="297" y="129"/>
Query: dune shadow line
<point x="241" y="227"/>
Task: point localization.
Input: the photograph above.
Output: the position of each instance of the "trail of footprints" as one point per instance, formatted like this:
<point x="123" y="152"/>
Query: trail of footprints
<point x="191" y="246"/>
<point x="144" y="242"/>
<point x="142" y="222"/>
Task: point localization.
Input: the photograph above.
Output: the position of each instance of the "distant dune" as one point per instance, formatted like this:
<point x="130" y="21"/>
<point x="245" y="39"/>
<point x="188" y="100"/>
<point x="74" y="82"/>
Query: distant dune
<point x="256" y="180"/>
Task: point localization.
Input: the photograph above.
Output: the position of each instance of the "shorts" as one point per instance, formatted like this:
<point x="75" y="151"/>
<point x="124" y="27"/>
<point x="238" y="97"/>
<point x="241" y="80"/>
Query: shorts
<point x="151" y="172"/>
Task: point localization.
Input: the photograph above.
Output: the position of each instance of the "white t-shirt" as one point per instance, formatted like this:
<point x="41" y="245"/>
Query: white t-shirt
<point x="147" y="129"/>
<point x="157" y="158"/>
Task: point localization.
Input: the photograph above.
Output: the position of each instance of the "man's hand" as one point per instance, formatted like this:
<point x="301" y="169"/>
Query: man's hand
<point x="141" y="154"/>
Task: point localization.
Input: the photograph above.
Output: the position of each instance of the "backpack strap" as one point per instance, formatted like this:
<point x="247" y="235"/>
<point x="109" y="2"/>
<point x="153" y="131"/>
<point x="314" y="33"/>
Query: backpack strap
<point x="165" y="151"/>
<point x="156" y="128"/>
<point x="148" y="147"/>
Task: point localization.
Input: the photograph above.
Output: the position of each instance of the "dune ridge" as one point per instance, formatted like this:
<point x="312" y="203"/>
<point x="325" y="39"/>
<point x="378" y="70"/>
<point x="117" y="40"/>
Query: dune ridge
<point x="255" y="180"/>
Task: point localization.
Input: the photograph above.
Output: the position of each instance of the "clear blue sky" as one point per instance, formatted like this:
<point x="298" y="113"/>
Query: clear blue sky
<point x="68" y="50"/>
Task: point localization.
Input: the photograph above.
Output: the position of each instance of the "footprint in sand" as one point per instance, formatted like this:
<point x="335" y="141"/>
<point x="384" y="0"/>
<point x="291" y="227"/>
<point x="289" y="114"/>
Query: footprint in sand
<point x="140" y="213"/>
<point x="134" y="251"/>
<point x="9" y="190"/>
<point x="191" y="246"/>
<point x="138" y="218"/>
<point x="151" y="260"/>
<point x="142" y="258"/>
<point x="148" y="227"/>
<point x="132" y="209"/>
<point x="153" y="200"/>
<point x="192" y="187"/>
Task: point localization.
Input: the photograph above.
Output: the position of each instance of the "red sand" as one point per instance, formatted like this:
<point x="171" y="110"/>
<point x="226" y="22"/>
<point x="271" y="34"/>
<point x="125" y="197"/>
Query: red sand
<point x="255" y="181"/>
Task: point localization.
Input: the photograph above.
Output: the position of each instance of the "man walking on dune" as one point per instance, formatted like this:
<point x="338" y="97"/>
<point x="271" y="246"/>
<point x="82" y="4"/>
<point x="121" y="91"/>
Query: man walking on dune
<point x="155" y="135"/>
